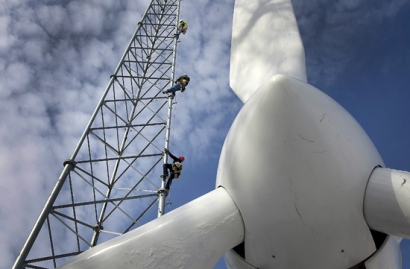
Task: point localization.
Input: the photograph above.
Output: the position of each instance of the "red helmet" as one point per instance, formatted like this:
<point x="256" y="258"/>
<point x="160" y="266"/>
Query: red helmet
<point x="181" y="158"/>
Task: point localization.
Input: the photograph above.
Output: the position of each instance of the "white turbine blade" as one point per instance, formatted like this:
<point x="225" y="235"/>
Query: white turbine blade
<point x="391" y="214"/>
<point x="195" y="235"/>
<point x="265" y="42"/>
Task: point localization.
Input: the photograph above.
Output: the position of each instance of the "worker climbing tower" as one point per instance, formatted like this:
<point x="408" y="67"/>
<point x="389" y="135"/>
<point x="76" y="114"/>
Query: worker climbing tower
<point x="111" y="182"/>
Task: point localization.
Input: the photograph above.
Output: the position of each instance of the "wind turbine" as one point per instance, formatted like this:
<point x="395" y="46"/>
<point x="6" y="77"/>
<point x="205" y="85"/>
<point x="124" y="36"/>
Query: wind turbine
<point x="299" y="183"/>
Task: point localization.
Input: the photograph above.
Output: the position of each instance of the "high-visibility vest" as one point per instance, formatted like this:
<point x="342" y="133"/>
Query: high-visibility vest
<point x="183" y="24"/>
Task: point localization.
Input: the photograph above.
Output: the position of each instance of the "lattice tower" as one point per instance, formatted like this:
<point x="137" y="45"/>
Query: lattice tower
<point x="111" y="182"/>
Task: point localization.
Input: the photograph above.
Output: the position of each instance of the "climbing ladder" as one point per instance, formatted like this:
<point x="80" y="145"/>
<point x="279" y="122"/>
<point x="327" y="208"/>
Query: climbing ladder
<point x="111" y="182"/>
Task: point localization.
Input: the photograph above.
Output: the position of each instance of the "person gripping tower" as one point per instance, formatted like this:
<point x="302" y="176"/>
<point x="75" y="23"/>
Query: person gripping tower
<point x="175" y="168"/>
<point x="180" y="85"/>
<point x="182" y="28"/>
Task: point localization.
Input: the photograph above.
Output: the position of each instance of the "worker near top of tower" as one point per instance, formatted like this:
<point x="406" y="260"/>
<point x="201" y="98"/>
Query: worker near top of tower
<point x="182" y="28"/>
<point x="175" y="168"/>
<point x="179" y="85"/>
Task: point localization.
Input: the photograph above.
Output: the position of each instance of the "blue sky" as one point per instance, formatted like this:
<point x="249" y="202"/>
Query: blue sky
<point x="56" y="58"/>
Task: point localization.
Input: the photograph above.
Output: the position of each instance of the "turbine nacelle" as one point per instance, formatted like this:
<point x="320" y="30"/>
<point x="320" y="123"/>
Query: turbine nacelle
<point x="297" y="165"/>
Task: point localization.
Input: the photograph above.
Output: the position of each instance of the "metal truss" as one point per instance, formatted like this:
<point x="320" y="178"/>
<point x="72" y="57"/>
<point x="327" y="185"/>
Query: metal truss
<point x="111" y="182"/>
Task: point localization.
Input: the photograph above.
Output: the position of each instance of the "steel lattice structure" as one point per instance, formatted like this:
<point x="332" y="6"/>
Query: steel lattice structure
<point x="111" y="182"/>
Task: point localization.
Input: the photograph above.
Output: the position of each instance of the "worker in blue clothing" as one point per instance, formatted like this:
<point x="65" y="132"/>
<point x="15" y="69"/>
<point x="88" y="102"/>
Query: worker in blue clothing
<point x="180" y="85"/>
<point x="175" y="168"/>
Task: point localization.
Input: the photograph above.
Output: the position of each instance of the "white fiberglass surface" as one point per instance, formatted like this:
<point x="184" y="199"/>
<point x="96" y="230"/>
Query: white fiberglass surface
<point x="296" y="164"/>
<point x="265" y="42"/>
<point x="195" y="235"/>
<point x="392" y="215"/>
<point x="388" y="256"/>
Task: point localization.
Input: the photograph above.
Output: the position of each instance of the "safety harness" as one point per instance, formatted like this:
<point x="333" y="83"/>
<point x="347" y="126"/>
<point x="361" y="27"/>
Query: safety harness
<point x="176" y="167"/>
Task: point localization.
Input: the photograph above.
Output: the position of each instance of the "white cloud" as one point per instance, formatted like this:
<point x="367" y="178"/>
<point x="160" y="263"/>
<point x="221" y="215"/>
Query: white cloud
<point x="15" y="78"/>
<point x="6" y="40"/>
<point x="53" y="19"/>
<point x="85" y="18"/>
